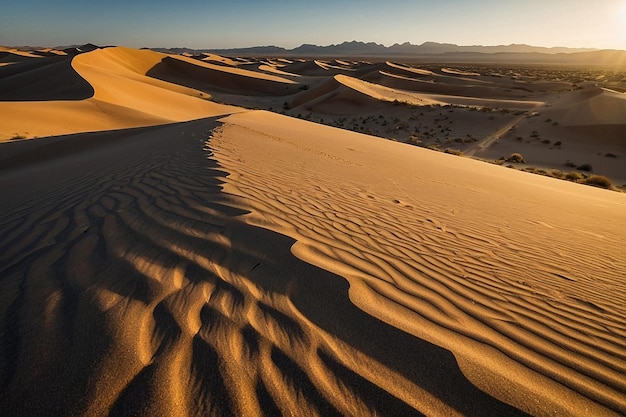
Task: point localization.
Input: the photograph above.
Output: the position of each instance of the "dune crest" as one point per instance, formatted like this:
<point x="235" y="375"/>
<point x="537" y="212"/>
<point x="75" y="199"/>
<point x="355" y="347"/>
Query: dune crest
<point x="122" y="96"/>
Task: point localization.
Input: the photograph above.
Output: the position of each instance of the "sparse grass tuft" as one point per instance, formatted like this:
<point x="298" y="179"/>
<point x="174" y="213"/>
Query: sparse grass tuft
<point x="414" y="140"/>
<point x="574" y="176"/>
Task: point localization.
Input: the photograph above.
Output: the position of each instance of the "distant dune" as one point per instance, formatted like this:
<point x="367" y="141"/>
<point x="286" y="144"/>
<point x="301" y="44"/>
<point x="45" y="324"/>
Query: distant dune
<point x="171" y="245"/>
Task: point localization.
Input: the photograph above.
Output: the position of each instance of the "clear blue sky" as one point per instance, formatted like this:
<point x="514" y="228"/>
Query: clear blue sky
<point x="240" y="23"/>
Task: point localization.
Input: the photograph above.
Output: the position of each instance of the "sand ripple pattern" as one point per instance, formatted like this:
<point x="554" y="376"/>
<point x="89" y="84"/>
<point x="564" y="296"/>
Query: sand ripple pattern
<point x="528" y="314"/>
<point x="135" y="289"/>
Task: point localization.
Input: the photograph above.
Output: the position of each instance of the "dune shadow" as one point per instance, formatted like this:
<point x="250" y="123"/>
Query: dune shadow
<point x="43" y="79"/>
<point x="138" y="210"/>
<point x="209" y="79"/>
<point x="323" y="298"/>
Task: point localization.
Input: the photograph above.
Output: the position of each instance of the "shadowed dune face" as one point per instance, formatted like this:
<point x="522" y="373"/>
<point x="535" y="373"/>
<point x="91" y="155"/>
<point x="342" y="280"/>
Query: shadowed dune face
<point x="42" y="80"/>
<point x="204" y="76"/>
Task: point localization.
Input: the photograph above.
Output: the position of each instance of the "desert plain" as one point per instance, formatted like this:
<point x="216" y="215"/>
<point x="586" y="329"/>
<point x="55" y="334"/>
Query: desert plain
<point x="212" y="235"/>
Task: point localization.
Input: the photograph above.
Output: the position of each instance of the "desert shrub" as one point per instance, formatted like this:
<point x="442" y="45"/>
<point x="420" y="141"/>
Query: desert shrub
<point x="546" y="141"/>
<point x="585" y="167"/>
<point x="574" y="176"/>
<point x="556" y="173"/>
<point x="453" y="151"/>
<point x="558" y="143"/>
<point x="598" y="181"/>
<point x="414" y="140"/>
<point x="610" y="155"/>
<point x="18" y="136"/>
<point x="516" y="158"/>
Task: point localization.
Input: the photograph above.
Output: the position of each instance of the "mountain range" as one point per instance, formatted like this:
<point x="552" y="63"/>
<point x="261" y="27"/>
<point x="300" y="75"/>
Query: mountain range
<point x="372" y="48"/>
<point x="434" y="51"/>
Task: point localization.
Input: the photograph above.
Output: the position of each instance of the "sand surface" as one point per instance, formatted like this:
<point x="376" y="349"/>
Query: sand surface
<point x="243" y="262"/>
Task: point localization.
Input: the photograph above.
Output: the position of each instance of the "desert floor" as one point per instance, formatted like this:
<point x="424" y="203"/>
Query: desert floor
<point x="170" y="244"/>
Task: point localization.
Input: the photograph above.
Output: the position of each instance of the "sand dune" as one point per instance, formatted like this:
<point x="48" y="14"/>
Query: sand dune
<point x="173" y="296"/>
<point x="220" y="59"/>
<point x="43" y="80"/>
<point x="439" y="86"/>
<point x="391" y="279"/>
<point x="100" y="90"/>
<point x="194" y="258"/>
<point x="381" y="92"/>
<point x="11" y="55"/>
<point x="458" y="72"/>
<point x="591" y="106"/>
<point x="198" y="74"/>
<point x="274" y="70"/>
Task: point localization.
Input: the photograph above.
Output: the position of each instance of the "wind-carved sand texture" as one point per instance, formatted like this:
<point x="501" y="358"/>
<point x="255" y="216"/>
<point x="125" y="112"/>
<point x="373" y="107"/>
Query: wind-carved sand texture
<point x="257" y="264"/>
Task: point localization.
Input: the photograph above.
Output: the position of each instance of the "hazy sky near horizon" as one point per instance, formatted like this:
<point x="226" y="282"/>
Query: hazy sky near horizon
<point x="242" y="23"/>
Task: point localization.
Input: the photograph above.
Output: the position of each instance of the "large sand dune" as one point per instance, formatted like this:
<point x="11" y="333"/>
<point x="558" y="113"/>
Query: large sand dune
<point x="55" y="99"/>
<point x="241" y="262"/>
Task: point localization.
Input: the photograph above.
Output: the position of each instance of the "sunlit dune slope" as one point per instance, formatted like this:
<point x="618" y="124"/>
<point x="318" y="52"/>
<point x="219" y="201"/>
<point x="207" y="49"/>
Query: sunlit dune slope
<point x="383" y="93"/>
<point x="487" y="262"/>
<point x="122" y="95"/>
<point x="261" y="264"/>
<point x="590" y="106"/>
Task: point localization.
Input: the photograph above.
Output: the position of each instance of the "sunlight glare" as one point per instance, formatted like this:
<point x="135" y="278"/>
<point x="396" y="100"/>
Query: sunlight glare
<point x="621" y="29"/>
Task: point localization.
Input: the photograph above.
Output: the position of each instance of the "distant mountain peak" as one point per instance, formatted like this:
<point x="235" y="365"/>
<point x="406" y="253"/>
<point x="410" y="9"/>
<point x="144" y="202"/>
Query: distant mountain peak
<point x="360" y="48"/>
